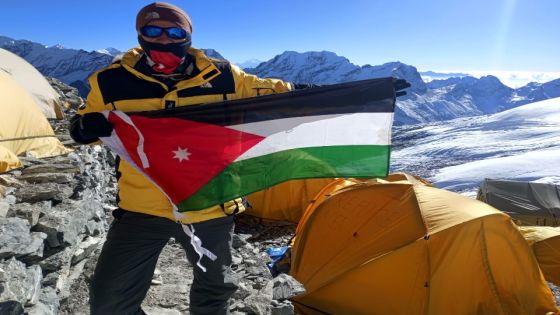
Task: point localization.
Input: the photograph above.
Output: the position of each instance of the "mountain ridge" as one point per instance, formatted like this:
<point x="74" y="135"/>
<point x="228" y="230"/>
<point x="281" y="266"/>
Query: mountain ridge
<point x="439" y="99"/>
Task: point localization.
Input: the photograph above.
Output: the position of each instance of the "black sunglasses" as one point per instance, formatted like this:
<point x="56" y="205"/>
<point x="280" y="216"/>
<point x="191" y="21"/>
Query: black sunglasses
<point x="156" y="31"/>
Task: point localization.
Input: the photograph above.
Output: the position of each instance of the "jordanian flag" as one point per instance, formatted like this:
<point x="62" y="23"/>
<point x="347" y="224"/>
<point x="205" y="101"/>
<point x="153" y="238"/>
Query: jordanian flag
<point x="203" y="155"/>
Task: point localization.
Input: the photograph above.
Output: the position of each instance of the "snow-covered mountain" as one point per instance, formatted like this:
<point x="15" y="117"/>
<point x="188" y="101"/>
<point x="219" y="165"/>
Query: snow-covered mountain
<point x="110" y="51"/>
<point x="251" y="63"/>
<point x="432" y="75"/>
<point x="213" y="54"/>
<point x="326" y="67"/>
<point x="426" y="102"/>
<point x="71" y="66"/>
<point x="518" y="144"/>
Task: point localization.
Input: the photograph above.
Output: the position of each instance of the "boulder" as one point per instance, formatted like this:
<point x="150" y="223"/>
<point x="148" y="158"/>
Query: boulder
<point x="19" y="283"/>
<point x="17" y="241"/>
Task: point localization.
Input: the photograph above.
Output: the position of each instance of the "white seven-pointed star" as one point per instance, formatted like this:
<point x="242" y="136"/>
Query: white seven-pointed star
<point x="181" y="154"/>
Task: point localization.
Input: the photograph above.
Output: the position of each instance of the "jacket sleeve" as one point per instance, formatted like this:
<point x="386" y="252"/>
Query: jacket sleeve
<point x="248" y="85"/>
<point x="94" y="100"/>
<point x="94" y="103"/>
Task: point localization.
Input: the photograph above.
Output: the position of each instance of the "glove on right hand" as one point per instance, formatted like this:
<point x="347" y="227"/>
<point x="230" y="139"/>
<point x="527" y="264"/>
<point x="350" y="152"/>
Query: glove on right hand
<point x="94" y="125"/>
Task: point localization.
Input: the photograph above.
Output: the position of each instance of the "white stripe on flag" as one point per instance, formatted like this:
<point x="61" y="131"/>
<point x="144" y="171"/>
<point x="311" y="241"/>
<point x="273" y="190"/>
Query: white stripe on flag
<point x="318" y="131"/>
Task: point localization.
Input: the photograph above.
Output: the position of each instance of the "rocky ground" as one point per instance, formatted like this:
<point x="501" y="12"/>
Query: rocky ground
<point x="258" y="292"/>
<point x="54" y="214"/>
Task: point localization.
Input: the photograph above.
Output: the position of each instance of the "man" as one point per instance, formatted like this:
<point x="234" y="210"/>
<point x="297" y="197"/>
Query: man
<point x="164" y="73"/>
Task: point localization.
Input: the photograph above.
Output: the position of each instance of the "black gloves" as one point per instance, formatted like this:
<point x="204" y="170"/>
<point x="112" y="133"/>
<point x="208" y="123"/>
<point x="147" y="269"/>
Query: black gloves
<point x="400" y="84"/>
<point x="301" y="86"/>
<point x="88" y="128"/>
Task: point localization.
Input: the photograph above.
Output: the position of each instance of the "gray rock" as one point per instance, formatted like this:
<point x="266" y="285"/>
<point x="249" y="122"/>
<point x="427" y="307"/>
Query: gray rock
<point x="7" y="191"/>
<point x="48" y="304"/>
<point x="236" y="259"/>
<point x="67" y="279"/>
<point x="243" y="292"/>
<point x="259" y="270"/>
<point x="260" y="302"/>
<point x="237" y="305"/>
<point x="30" y="159"/>
<point x="239" y="240"/>
<point x="159" y="311"/>
<point x="85" y="248"/>
<point x="4" y="208"/>
<point x="59" y="178"/>
<point x="34" y="284"/>
<point x="42" y="192"/>
<point x="10" y="199"/>
<point x="285" y="287"/>
<point x="74" y="157"/>
<point x="95" y="227"/>
<point x="29" y="211"/>
<point x="51" y="169"/>
<point x="10" y="181"/>
<point x="258" y="282"/>
<point x="57" y="262"/>
<point x="11" y="308"/>
<point x="283" y="308"/>
<point x="16" y="240"/>
<point x="64" y="223"/>
<point x="18" y="283"/>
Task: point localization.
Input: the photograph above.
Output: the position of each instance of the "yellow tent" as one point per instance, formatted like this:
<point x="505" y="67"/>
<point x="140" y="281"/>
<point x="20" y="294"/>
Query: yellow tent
<point x="23" y="127"/>
<point x="287" y="201"/>
<point x="382" y="247"/>
<point x="545" y="242"/>
<point x="44" y="96"/>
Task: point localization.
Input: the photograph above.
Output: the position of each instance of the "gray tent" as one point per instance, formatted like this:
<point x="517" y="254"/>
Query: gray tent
<point x="527" y="203"/>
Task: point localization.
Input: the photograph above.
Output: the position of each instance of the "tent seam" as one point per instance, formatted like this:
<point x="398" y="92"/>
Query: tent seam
<point x="487" y="269"/>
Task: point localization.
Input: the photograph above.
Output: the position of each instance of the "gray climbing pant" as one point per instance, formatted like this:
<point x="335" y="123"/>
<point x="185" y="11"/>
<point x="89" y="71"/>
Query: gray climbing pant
<point x="128" y="259"/>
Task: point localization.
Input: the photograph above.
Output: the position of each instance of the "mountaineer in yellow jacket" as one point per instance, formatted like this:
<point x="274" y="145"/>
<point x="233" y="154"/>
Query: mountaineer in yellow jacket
<point x="164" y="73"/>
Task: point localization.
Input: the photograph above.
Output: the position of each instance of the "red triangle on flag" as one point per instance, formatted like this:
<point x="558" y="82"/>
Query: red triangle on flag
<point x="183" y="155"/>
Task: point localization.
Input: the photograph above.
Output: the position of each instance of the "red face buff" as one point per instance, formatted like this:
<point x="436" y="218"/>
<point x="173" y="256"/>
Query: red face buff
<point x="165" y="62"/>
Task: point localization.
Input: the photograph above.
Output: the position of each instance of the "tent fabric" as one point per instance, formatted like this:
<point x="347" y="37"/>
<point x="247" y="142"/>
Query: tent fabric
<point x="545" y="242"/>
<point x="8" y="160"/>
<point x="381" y="247"/>
<point x="23" y="127"/>
<point x="44" y="96"/>
<point x="528" y="203"/>
<point x="287" y="201"/>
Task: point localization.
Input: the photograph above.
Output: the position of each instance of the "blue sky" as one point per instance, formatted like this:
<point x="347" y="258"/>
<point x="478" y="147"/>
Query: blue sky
<point x="482" y="35"/>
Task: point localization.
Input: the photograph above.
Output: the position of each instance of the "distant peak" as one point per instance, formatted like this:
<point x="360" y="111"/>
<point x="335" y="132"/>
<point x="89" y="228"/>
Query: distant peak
<point x="109" y="51"/>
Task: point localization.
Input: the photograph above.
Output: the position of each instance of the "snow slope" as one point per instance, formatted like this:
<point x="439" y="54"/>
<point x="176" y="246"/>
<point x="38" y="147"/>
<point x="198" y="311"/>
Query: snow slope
<point x="519" y="144"/>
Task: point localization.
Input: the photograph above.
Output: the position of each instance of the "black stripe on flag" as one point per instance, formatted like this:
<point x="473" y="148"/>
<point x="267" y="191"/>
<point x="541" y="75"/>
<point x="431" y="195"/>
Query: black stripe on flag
<point x="366" y="96"/>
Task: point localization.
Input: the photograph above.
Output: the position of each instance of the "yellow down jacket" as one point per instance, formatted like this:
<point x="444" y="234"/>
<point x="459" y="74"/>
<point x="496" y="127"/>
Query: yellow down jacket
<point x="121" y="87"/>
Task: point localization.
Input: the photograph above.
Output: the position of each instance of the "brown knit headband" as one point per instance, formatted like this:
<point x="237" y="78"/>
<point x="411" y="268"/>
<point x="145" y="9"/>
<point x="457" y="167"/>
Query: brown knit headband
<point x="161" y="11"/>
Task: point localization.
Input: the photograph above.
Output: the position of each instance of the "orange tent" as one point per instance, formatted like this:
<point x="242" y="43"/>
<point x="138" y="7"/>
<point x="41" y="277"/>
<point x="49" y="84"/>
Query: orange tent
<point x="380" y="247"/>
<point x="545" y="242"/>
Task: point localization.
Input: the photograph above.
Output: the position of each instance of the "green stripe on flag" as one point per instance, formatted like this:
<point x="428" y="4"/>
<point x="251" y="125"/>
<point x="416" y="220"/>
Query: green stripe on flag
<point x="247" y="176"/>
